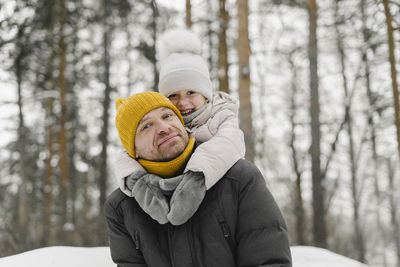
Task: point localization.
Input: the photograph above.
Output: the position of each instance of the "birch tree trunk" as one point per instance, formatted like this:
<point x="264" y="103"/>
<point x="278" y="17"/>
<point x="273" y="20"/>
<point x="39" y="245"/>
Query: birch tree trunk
<point x="223" y="66"/>
<point x="318" y="191"/>
<point x="243" y="47"/>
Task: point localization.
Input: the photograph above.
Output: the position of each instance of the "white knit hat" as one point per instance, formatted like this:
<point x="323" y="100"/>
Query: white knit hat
<point x="182" y="67"/>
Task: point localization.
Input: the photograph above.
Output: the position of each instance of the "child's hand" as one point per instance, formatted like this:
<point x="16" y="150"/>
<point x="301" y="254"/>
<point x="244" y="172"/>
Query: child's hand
<point x="133" y="178"/>
<point x="170" y="184"/>
<point x="145" y="189"/>
<point x="187" y="197"/>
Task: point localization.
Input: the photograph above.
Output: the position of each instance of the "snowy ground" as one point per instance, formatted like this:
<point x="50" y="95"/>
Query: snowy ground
<point x="100" y="257"/>
<point x="318" y="257"/>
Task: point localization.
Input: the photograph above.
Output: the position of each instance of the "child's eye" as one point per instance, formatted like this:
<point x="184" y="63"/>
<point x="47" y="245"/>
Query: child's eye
<point x="191" y="92"/>
<point x="172" y="96"/>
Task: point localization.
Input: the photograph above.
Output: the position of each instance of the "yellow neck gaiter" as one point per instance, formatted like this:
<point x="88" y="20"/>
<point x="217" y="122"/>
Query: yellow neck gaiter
<point x="167" y="169"/>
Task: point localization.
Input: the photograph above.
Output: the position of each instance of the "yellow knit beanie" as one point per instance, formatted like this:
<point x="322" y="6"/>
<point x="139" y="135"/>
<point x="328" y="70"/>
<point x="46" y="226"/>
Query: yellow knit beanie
<point x="131" y="110"/>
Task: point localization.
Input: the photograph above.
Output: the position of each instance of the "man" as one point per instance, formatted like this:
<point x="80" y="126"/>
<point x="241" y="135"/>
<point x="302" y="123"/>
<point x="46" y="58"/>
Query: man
<point x="237" y="224"/>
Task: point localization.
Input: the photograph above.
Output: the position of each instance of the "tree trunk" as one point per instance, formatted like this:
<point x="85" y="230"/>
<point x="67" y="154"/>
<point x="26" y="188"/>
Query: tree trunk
<point x="153" y="25"/>
<point x="62" y="137"/>
<point x="318" y="191"/>
<point x="372" y="126"/>
<point x="188" y="14"/>
<point x="87" y="240"/>
<point x="393" y="210"/>
<point x="22" y="194"/>
<point x="129" y="48"/>
<point x="223" y="66"/>
<point x="209" y="22"/>
<point x="298" y="200"/>
<point x="359" y="238"/>
<point x="392" y="61"/>
<point x="103" y="175"/>
<point x="243" y="44"/>
<point x="48" y="188"/>
<point x="47" y="235"/>
<point x="73" y="124"/>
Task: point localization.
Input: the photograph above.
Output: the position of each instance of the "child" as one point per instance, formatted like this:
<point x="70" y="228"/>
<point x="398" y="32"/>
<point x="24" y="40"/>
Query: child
<point x="212" y="119"/>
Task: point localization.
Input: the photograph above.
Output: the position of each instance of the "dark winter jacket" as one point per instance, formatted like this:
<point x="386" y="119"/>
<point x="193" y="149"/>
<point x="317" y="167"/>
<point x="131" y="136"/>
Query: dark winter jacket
<point x="237" y="224"/>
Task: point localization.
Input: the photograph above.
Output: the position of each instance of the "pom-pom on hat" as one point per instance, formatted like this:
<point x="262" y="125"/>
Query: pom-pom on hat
<point x="131" y="110"/>
<point x="182" y="67"/>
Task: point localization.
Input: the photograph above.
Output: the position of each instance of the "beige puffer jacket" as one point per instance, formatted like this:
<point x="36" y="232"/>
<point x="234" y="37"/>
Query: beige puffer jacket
<point x="222" y="143"/>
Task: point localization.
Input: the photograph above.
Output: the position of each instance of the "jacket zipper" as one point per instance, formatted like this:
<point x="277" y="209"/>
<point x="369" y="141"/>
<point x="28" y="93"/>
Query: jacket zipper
<point x="171" y="255"/>
<point x="227" y="234"/>
<point x="191" y="239"/>
<point x="225" y="230"/>
<point x="137" y="240"/>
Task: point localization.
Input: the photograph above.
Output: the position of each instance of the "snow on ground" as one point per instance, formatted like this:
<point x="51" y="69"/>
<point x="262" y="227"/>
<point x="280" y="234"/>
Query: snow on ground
<point x="61" y="257"/>
<point x="319" y="257"/>
<point x="100" y="257"/>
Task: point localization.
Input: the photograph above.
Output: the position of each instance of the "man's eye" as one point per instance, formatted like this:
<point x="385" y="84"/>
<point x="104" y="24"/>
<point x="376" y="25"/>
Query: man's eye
<point x="144" y="127"/>
<point x="168" y="115"/>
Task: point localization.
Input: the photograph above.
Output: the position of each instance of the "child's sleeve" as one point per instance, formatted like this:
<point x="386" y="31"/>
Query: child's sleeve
<point x="124" y="166"/>
<point x="225" y="147"/>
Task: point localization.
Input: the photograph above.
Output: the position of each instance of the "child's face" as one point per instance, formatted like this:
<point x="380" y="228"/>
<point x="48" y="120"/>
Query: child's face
<point x="187" y="101"/>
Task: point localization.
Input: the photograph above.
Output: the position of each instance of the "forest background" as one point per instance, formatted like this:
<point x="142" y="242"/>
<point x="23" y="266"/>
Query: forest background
<point x="318" y="88"/>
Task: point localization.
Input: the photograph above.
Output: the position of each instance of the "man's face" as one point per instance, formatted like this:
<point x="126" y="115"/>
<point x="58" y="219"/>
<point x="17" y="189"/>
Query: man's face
<point x="160" y="136"/>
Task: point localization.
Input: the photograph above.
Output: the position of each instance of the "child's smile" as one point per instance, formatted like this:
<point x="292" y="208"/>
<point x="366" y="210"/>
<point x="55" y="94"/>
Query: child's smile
<point x="187" y="101"/>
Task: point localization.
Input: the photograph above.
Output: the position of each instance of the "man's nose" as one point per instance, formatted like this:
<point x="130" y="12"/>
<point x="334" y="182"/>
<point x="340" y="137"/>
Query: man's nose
<point x="163" y="127"/>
